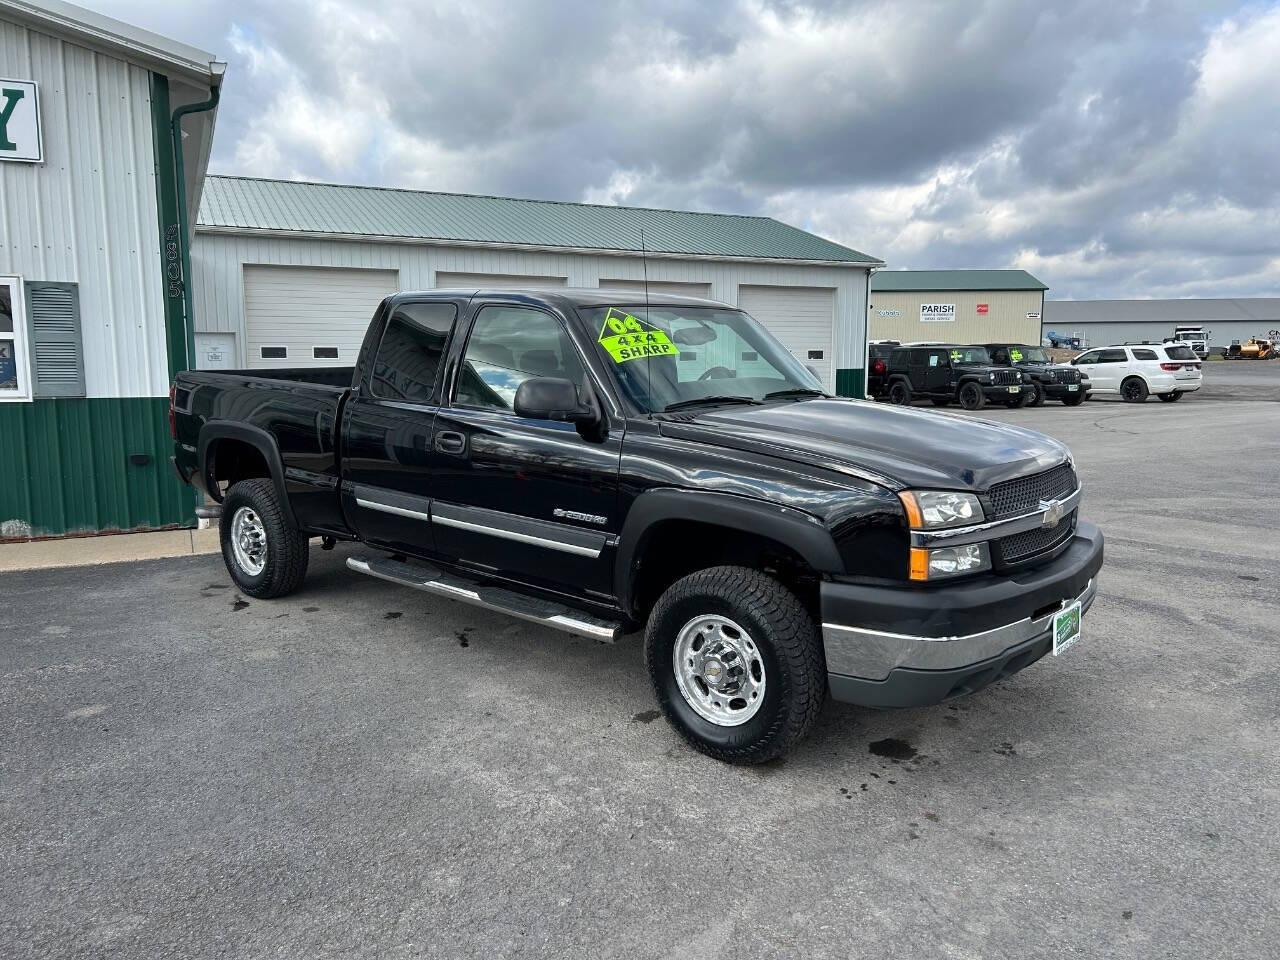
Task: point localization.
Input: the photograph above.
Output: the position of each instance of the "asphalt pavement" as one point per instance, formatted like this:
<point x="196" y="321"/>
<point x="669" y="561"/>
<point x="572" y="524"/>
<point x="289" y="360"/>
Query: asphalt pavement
<point x="361" y="770"/>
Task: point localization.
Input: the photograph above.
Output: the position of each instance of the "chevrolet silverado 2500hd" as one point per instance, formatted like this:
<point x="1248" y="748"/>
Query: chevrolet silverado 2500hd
<point x="597" y="464"/>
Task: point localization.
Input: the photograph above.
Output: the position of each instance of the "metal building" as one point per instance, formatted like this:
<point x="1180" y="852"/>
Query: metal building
<point x="91" y="265"/>
<point x="1102" y="322"/>
<point x="956" y="306"/>
<point x="289" y="273"/>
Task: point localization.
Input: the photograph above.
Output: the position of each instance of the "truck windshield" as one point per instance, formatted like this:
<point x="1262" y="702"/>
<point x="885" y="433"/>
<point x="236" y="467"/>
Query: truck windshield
<point x="969" y="356"/>
<point x="1028" y="355"/>
<point x="667" y="355"/>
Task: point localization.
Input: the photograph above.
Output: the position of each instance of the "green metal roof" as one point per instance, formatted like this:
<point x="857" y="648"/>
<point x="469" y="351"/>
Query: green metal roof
<point x="296" y="206"/>
<point x="902" y="281"/>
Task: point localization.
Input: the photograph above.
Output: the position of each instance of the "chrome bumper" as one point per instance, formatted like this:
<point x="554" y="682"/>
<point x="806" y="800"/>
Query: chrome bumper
<point x="874" y="654"/>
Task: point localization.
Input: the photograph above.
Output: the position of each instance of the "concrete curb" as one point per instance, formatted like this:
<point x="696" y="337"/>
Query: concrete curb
<point x="89" y="551"/>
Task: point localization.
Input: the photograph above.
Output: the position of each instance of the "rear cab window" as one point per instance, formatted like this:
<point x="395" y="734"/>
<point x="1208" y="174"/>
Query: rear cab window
<point x="407" y="363"/>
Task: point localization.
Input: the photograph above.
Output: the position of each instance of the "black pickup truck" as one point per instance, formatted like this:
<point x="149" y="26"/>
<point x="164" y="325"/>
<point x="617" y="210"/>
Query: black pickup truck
<point x="600" y="465"/>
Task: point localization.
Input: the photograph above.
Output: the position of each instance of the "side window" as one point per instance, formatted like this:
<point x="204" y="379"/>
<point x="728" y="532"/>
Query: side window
<point x="1112" y="356"/>
<point x="1144" y="355"/>
<point x="408" y="357"/>
<point x="1091" y="357"/>
<point x="935" y="359"/>
<point x="508" y="346"/>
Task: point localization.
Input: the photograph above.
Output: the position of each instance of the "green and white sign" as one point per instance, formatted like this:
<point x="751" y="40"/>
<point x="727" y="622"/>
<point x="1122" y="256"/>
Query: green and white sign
<point x="20" y="134"/>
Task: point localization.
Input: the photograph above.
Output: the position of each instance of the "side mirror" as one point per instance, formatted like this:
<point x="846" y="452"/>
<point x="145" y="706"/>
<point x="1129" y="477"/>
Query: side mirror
<point x="1073" y="360"/>
<point x="553" y="398"/>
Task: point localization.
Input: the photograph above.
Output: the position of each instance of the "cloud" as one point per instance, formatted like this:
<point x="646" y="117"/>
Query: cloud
<point x="1115" y="149"/>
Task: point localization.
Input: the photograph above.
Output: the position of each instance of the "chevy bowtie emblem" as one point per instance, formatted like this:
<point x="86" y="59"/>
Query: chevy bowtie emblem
<point x="1053" y="511"/>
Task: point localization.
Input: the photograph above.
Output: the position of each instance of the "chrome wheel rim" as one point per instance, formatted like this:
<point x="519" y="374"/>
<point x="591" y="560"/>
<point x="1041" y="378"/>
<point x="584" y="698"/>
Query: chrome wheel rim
<point x="719" y="670"/>
<point x="249" y="541"/>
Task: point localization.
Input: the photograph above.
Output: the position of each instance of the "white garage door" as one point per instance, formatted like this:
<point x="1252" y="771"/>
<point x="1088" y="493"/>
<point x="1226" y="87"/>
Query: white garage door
<point x="495" y="281"/>
<point x="678" y="288"/>
<point x="803" y="318"/>
<point x="310" y="316"/>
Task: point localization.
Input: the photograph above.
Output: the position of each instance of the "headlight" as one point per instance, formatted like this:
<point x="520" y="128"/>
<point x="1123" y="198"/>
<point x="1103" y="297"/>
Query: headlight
<point x="944" y="562"/>
<point x="927" y="509"/>
<point x="991" y="376"/>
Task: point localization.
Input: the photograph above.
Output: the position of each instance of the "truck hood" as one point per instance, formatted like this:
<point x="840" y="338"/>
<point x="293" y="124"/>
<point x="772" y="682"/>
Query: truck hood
<point x="899" y="447"/>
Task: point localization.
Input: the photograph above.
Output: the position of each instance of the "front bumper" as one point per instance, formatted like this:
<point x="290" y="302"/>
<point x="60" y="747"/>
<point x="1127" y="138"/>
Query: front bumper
<point x="1003" y="391"/>
<point x="907" y="647"/>
<point x="1057" y="391"/>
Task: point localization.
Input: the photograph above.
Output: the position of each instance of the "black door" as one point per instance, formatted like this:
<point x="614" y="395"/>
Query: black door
<point x="386" y="431"/>
<point x="532" y="500"/>
<point x="938" y="372"/>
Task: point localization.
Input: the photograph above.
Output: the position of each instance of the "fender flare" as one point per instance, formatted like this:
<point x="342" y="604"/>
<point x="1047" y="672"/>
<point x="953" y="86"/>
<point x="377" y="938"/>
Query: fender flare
<point x="260" y="440"/>
<point x="794" y="529"/>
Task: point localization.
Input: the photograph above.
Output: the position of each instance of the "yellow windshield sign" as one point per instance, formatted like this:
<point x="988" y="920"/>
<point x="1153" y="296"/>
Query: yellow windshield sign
<point x="1015" y="355"/>
<point x="625" y="337"/>
<point x="956" y="355"/>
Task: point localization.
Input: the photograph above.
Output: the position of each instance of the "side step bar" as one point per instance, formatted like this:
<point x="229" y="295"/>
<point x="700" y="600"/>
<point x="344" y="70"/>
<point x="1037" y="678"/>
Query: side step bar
<point x="432" y="579"/>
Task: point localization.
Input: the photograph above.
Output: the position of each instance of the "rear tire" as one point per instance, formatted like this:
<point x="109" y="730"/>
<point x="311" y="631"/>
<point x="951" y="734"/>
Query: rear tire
<point x="1170" y="397"/>
<point x="722" y="619"/>
<point x="1035" y="397"/>
<point x="899" y="393"/>
<point x="265" y="556"/>
<point x="971" y="396"/>
<point x="1134" y="390"/>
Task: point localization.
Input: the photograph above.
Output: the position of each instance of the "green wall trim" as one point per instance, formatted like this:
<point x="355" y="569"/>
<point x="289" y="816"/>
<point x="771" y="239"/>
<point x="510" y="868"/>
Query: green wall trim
<point x="65" y="467"/>
<point x="175" y="326"/>
<point x="851" y="382"/>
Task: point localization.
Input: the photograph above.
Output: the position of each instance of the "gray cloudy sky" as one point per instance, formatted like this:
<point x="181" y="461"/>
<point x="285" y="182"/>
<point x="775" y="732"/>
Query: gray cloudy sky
<point x="1112" y="148"/>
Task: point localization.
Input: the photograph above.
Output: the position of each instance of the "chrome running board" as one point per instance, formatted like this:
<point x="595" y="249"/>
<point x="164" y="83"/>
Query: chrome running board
<point x="430" y="579"/>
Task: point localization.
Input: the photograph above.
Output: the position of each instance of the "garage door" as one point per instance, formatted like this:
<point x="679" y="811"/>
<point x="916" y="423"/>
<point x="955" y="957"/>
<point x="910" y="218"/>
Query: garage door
<point x="495" y="281"/>
<point x="310" y="316"/>
<point x="803" y="318"/>
<point x="678" y="288"/>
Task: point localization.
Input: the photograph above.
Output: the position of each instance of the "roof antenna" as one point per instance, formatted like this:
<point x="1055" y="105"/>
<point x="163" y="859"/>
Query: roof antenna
<point x="644" y="260"/>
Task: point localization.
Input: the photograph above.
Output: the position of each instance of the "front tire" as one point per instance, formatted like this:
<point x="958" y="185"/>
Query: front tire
<point x="264" y="555"/>
<point x="736" y="664"/>
<point x="1035" y="395"/>
<point x="972" y="397"/>
<point x="1134" y="390"/>
<point x="1073" y="399"/>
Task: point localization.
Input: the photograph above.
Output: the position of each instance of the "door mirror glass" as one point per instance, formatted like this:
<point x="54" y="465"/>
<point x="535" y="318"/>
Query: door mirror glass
<point x="552" y="398"/>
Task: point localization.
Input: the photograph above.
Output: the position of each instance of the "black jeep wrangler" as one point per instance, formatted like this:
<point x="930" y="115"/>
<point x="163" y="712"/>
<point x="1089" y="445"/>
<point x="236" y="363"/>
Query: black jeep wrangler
<point x="946" y="372"/>
<point x="1048" y="380"/>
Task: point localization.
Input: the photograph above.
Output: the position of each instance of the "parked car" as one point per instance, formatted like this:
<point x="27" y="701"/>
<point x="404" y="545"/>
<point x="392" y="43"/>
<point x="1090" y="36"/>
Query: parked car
<point x="597" y="466"/>
<point x="952" y="373"/>
<point x="1049" y="380"/>
<point x="1135" y="372"/>
<point x="878" y="352"/>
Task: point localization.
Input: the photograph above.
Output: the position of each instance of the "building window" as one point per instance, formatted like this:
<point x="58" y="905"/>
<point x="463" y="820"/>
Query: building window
<point x="14" y="377"/>
<point x="324" y="353"/>
<point x="815" y="355"/>
<point x="274" y="353"/>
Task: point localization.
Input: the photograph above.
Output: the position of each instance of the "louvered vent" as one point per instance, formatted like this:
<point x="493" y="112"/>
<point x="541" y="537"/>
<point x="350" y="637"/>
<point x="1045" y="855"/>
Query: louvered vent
<point x="56" y="352"/>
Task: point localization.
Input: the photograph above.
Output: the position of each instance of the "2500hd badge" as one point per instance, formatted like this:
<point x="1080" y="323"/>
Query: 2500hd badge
<point x="599" y="465"/>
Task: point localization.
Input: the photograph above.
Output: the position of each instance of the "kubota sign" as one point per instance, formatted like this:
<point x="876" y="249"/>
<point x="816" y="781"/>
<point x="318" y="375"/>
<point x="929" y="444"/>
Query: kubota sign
<point x="20" y="135"/>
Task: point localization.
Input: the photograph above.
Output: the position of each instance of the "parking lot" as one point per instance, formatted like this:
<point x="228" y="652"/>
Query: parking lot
<point x="360" y="770"/>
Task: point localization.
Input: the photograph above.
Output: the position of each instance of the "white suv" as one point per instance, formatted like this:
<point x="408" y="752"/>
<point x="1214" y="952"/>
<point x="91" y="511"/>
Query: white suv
<point x="1167" y="370"/>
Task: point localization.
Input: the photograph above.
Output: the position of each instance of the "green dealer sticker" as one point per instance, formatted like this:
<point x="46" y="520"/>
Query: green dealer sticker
<point x="625" y="338"/>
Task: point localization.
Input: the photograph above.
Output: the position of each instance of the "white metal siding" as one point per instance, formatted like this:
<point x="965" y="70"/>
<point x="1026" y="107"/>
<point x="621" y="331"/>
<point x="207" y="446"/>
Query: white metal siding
<point x="660" y="286"/>
<point x="304" y="307"/>
<point x="802" y="318"/>
<point x="87" y="215"/>
<point x="495" y="280"/>
<point x="219" y="259"/>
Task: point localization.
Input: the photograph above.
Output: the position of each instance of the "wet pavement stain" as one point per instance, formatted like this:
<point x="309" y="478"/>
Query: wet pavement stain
<point x="646" y="716"/>
<point x="310" y="609"/>
<point x="462" y="637"/>
<point x="217" y="586"/>
<point x="239" y="604"/>
<point x="893" y="749"/>
<point x="1250" y="579"/>
<point x="1127" y="915"/>
<point x="1006" y="750"/>
<point x="392" y="615"/>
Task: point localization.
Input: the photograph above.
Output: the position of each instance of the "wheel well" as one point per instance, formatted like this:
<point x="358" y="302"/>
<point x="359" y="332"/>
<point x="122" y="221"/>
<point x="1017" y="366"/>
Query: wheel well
<point x="231" y="461"/>
<point x="677" y="548"/>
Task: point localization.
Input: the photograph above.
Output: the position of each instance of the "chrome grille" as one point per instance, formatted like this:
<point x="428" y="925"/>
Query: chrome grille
<point x="1014" y="497"/>
<point x="1023" y="546"/>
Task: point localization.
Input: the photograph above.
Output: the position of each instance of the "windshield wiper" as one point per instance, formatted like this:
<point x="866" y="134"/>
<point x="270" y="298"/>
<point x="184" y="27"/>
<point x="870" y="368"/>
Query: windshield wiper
<point x="794" y="392"/>
<point x="697" y="400"/>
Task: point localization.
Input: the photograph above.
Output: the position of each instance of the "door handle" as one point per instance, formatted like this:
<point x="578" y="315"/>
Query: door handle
<point x="450" y="442"/>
